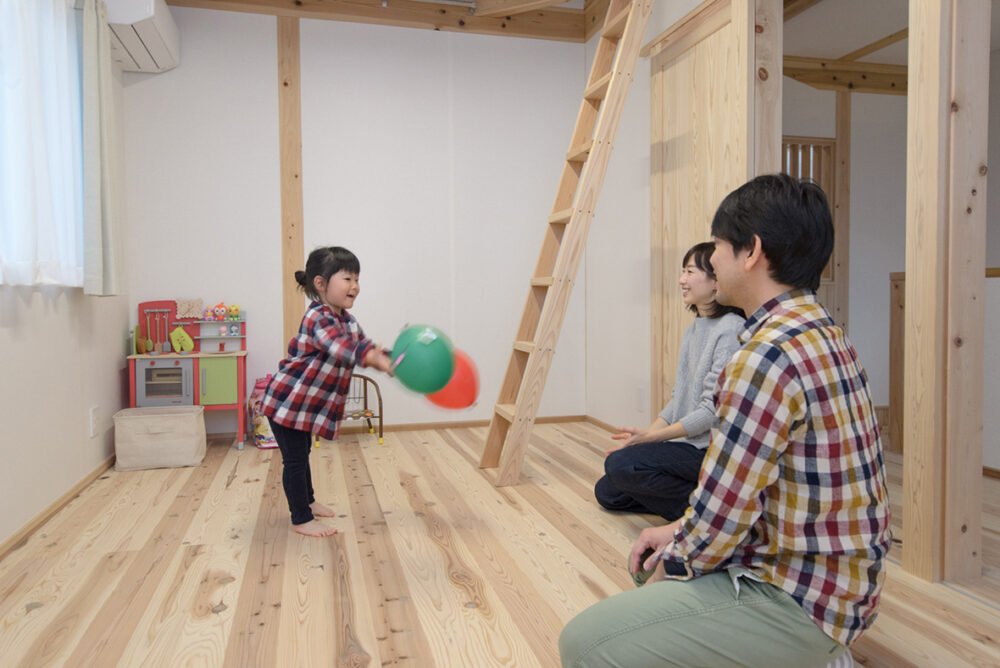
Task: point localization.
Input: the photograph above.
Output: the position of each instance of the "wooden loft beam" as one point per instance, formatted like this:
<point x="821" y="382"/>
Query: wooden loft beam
<point x="796" y="7"/>
<point x="878" y="45"/>
<point x="563" y="25"/>
<point x="594" y="12"/>
<point x="847" y="75"/>
<point x="704" y="20"/>
<point x="511" y="7"/>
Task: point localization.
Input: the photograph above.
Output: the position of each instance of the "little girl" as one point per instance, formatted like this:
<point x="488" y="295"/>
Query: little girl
<point x="308" y="393"/>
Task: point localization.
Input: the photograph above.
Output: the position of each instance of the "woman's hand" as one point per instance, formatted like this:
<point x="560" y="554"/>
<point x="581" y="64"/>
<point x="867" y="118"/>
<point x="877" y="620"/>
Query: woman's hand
<point x="628" y="436"/>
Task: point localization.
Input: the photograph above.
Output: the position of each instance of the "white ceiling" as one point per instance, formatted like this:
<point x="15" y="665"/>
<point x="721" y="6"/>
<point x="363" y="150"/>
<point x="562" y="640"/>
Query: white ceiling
<point x="834" y="28"/>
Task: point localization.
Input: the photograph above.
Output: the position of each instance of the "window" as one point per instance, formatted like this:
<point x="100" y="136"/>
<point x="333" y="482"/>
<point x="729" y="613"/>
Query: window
<point x="41" y="182"/>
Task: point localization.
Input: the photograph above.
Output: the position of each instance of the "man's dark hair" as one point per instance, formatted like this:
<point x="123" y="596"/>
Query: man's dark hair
<point x="792" y="219"/>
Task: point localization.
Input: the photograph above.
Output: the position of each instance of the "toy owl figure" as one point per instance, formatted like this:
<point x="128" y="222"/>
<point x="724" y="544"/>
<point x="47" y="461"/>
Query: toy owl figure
<point x="234" y="312"/>
<point x="220" y="311"/>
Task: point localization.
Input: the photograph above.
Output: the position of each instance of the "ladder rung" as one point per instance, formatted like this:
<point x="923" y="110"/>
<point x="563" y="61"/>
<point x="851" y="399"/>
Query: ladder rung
<point x="598" y="89"/>
<point x="541" y="281"/>
<point x="561" y="216"/>
<point x="506" y="411"/>
<point x="525" y="346"/>
<point x="615" y="25"/>
<point x="579" y="153"/>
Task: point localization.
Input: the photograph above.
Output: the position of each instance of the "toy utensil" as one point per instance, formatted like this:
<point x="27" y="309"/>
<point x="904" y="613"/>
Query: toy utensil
<point x="159" y="341"/>
<point x="149" y="341"/>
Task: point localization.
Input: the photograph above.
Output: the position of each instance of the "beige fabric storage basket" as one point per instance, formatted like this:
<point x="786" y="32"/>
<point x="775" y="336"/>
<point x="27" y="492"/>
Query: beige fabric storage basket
<point x="159" y="437"/>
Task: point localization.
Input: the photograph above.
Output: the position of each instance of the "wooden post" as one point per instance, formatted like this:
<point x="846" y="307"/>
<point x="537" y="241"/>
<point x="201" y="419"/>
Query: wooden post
<point x="701" y="150"/>
<point x="765" y="77"/>
<point x="842" y="209"/>
<point x="290" y="141"/>
<point x="945" y="268"/>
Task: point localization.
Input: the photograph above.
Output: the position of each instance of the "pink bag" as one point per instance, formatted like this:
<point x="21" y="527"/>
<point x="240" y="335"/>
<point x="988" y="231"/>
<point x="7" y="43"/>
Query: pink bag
<point x="260" y="428"/>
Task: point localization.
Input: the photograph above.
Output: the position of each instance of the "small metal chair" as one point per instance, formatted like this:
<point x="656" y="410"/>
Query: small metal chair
<point x="359" y="403"/>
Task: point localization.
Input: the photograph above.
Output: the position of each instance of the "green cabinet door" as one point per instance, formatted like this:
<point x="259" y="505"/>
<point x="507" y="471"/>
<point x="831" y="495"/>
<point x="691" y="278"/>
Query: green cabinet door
<point x="217" y="381"/>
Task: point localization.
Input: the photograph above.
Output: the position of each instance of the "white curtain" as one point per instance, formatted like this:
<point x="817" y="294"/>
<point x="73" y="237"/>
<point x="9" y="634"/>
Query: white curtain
<point x="41" y="233"/>
<point x="100" y="262"/>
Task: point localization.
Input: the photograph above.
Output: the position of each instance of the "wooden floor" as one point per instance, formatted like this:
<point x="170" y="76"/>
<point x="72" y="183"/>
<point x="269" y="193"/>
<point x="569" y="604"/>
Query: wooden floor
<point x="433" y="566"/>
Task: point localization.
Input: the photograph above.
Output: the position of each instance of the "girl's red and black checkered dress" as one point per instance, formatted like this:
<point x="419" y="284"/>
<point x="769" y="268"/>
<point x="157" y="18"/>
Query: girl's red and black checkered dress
<point x="309" y="391"/>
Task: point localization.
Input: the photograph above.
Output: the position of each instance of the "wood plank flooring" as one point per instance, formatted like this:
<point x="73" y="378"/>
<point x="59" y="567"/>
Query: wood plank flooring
<point x="433" y="565"/>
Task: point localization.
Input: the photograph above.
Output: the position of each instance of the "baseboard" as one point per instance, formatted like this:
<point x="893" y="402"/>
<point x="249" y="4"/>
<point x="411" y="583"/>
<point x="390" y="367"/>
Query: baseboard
<point x="21" y="535"/>
<point x="457" y="424"/>
<point x="990" y="472"/>
<point x="600" y="423"/>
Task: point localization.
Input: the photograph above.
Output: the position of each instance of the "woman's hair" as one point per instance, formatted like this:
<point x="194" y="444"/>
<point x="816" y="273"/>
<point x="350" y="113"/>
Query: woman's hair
<point x="702" y="255"/>
<point x="325" y="261"/>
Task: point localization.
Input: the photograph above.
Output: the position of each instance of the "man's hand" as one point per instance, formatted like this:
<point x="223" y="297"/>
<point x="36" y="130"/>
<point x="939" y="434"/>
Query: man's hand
<point x="657" y="539"/>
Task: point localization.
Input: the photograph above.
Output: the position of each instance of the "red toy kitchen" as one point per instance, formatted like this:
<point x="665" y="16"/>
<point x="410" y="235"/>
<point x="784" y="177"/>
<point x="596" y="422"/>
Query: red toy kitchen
<point x="190" y="356"/>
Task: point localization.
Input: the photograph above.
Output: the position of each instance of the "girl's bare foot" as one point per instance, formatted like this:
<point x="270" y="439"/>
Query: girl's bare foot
<point x="319" y="510"/>
<point x="314" y="528"/>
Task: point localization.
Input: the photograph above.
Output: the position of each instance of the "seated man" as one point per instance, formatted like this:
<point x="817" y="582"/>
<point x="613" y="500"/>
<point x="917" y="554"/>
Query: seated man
<point x="778" y="561"/>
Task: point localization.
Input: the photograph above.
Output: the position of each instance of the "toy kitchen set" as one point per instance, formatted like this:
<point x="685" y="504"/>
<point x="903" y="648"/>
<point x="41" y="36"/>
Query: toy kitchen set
<point x="187" y="355"/>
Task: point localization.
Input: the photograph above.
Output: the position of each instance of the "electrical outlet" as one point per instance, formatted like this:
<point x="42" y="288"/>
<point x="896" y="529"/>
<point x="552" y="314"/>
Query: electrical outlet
<point x="93" y="421"/>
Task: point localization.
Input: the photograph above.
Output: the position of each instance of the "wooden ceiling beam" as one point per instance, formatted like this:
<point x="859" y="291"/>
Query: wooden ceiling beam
<point x="848" y="75"/>
<point x="563" y="25"/>
<point x="511" y="7"/>
<point x="594" y="12"/>
<point x="796" y="7"/>
<point x="878" y="45"/>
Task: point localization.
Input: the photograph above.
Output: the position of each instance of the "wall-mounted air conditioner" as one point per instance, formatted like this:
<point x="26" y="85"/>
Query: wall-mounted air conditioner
<point x="144" y="37"/>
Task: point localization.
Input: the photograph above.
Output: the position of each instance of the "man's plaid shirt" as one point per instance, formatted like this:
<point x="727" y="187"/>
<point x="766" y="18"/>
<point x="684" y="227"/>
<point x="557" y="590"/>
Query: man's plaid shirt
<point x="792" y="486"/>
<point x="309" y="391"/>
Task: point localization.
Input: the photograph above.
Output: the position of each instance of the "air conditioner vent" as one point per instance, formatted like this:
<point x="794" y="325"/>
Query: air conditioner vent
<point x="144" y="37"/>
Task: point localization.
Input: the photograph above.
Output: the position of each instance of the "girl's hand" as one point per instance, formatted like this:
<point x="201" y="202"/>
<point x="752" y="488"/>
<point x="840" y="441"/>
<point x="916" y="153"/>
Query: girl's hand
<point x="378" y="359"/>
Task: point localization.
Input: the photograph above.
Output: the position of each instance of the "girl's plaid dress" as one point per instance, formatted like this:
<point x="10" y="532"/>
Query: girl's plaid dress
<point x="309" y="391"/>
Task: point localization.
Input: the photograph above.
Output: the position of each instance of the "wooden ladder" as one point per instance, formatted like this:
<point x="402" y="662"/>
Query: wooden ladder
<point x="565" y="237"/>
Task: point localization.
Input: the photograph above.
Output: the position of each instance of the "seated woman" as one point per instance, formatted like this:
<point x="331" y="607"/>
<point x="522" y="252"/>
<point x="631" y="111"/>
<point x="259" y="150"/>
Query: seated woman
<point x="655" y="470"/>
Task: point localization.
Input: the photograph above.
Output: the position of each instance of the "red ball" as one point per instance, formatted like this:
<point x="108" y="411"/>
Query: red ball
<point x="463" y="388"/>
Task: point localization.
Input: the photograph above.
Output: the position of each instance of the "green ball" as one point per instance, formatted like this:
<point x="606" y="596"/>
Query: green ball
<point x="427" y="358"/>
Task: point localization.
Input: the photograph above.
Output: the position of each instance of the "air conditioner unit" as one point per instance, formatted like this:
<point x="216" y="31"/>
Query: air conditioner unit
<point x="144" y="37"/>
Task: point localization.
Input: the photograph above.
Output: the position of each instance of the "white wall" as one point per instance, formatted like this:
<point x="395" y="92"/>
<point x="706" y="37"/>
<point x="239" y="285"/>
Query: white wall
<point x="433" y="156"/>
<point x="878" y="227"/>
<point x="202" y="189"/>
<point x="878" y="221"/>
<point x="878" y="208"/>
<point x="991" y="390"/>
<point x="61" y="353"/>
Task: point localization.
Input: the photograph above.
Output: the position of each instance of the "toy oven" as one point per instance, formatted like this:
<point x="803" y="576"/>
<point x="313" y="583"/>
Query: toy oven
<point x="164" y="382"/>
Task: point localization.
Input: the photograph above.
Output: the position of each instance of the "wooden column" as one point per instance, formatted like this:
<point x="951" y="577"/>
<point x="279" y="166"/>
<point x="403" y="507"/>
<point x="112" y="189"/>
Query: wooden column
<point x="842" y="209"/>
<point x="945" y="268"/>
<point x="290" y="141"/>
<point x="766" y="67"/>
<point x="715" y="99"/>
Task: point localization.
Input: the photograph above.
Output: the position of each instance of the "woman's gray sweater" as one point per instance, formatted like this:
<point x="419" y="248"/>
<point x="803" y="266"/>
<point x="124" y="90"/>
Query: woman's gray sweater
<point x="706" y="347"/>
